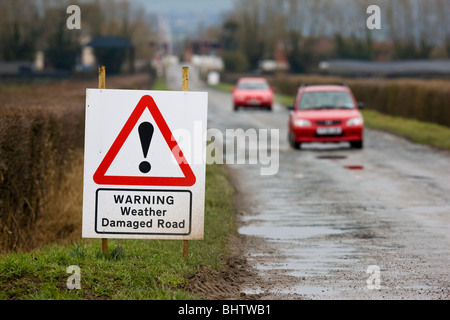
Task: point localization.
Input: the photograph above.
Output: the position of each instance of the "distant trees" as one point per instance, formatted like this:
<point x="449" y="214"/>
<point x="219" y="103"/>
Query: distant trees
<point x="30" y="25"/>
<point x="353" y="47"/>
<point x="414" y="28"/>
<point x="60" y="45"/>
<point x="18" y="31"/>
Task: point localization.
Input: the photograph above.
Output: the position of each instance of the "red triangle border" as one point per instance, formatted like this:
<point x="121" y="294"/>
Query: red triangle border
<point x="146" y="102"/>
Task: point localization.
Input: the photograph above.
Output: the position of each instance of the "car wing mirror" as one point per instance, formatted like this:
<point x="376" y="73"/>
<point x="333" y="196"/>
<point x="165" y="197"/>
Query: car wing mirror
<point x="291" y="108"/>
<point x="361" y="105"/>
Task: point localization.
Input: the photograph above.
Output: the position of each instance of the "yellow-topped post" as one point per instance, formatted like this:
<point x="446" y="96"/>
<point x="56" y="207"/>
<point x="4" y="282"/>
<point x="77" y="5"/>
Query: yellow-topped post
<point x="185" y="87"/>
<point x="102" y="85"/>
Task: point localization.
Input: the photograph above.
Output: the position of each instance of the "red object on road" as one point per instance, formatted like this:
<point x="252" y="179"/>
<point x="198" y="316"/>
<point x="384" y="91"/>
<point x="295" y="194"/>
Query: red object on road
<point x="252" y="92"/>
<point x="325" y="113"/>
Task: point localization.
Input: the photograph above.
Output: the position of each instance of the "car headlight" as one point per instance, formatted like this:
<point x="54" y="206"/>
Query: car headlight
<point x="355" y="121"/>
<point x="302" y="123"/>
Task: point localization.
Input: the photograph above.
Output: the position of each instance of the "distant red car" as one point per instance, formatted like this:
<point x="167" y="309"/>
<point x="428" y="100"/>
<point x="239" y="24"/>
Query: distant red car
<point x="325" y="113"/>
<point x="252" y="92"/>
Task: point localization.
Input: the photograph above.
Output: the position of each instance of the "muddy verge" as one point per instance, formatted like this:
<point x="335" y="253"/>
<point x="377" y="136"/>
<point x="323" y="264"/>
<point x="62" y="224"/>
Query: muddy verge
<point x="223" y="284"/>
<point x="237" y="274"/>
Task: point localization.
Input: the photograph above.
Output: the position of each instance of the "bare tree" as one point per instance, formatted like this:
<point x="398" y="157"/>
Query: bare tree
<point x="414" y="27"/>
<point x="18" y="33"/>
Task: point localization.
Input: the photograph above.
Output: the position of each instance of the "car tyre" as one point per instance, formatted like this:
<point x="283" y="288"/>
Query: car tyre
<point x="356" y="144"/>
<point x="236" y="108"/>
<point x="294" y="144"/>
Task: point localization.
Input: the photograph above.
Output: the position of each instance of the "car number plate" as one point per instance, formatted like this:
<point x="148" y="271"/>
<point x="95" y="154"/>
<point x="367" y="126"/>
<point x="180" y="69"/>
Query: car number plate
<point x="329" y="131"/>
<point x="254" y="102"/>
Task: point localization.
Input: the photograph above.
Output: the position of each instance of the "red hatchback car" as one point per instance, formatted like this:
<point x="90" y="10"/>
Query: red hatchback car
<point x="325" y="113"/>
<point x="252" y="92"/>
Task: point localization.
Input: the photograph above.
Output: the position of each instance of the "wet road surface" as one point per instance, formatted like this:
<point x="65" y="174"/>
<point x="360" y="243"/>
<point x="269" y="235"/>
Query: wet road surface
<point x="338" y="223"/>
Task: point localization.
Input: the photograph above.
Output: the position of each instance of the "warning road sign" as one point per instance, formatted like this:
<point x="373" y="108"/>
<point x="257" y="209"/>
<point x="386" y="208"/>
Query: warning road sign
<point x="138" y="183"/>
<point x="145" y="130"/>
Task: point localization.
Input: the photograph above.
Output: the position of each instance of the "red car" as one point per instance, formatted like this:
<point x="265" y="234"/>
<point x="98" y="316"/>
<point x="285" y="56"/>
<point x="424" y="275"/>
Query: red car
<point x="325" y="113"/>
<point x="252" y="92"/>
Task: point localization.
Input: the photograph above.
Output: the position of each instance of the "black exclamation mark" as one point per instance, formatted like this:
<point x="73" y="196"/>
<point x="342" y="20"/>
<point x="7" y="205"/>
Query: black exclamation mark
<point x="145" y="134"/>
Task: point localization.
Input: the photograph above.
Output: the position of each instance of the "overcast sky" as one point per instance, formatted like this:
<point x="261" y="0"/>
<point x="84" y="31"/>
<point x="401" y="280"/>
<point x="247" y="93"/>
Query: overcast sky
<point x="165" y="6"/>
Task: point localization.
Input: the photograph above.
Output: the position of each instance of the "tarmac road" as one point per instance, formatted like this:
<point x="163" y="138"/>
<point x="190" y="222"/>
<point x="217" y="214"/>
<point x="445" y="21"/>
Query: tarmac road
<point x="338" y="223"/>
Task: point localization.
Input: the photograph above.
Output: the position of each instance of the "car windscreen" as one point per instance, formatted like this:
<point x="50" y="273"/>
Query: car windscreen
<point x="253" y="86"/>
<point x="326" y="100"/>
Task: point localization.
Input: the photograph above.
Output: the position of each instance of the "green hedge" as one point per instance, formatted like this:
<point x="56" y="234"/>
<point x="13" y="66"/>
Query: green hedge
<point x="421" y="100"/>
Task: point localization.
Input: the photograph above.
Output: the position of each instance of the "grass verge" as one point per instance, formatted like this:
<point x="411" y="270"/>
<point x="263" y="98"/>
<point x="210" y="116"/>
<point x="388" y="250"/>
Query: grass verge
<point x="417" y="131"/>
<point x="133" y="269"/>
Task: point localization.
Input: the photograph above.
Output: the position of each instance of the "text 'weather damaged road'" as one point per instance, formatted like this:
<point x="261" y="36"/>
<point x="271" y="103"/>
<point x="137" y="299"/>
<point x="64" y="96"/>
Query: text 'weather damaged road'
<point x="340" y="223"/>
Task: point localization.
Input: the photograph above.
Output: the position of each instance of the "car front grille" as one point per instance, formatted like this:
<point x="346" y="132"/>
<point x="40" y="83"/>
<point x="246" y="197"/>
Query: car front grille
<point x="325" y="136"/>
<point x="328" y="122"/>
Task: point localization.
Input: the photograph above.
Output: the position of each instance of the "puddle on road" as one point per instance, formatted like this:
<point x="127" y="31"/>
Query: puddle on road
<point x="308" y="290"/>
<point x="303" y="260"/>
<point x="286" y="233"/>
<point x="302" y="290"/>
<point x="354" y="167"/>
<point x="331" y="156"/>
<point x="340" y="157"/>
